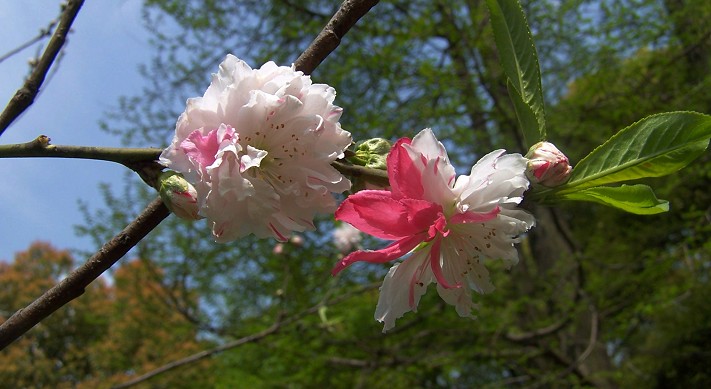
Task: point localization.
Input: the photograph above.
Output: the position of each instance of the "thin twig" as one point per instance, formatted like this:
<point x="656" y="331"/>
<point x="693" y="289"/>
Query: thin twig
<point x="45" y="32"/>
<point x="74" y="284"/>
<point x="526" y="336"/>
<point x="330" y="37"/>
<point x="25" y="96"/>
<point x="278" y="325"/>
<point x="201" y="355"/>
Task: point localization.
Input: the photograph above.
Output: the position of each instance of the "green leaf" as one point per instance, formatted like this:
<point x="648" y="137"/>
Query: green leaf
<point x="654" y="146"/>
<point x="638" y="199"/>
<point x="526" y="117"/>
<point x="520" y="63"/>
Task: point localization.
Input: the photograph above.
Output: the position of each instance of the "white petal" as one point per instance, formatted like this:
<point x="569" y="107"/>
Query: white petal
<point x="430" y="156"/>
<point x="394" y="298"/>
<point x="253" y="158"/>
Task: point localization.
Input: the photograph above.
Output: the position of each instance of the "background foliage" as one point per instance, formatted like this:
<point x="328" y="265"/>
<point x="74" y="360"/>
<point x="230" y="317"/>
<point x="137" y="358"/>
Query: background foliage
<point x="600" y="298"/>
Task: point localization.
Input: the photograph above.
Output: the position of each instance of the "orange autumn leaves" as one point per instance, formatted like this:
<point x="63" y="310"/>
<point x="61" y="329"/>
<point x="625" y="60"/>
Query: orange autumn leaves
<point x="117" y="330"/>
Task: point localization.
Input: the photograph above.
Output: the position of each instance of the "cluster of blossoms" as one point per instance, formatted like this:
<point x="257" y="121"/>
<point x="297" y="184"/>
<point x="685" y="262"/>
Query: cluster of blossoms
<point x="258" y="148"/>
<point x="254" y="154"/>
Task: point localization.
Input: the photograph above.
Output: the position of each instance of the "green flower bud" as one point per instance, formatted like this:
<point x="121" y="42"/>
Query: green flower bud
<point x="372" y="153"/>
<point x="178" y="195"/>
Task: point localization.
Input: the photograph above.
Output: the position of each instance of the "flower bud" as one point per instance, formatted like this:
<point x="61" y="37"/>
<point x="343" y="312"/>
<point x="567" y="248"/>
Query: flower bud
<point x="178" y="195"/>
<point x="547" y="165"/>
<point x="372" y="153"/>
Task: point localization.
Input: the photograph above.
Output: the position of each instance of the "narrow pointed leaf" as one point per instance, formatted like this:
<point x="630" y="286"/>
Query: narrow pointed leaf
<point x="520" y="63"/>
<point x="527" y="120"/>
<point x="638" y="199"/>
<point x="654" y="146"/>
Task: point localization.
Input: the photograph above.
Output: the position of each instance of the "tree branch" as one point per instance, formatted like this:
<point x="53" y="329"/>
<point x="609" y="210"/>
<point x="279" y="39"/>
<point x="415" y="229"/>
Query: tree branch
<point x="140" y="160"/>
<point x="74" y="284"/>
<point x="330" y="37"/>
<point x="40" y="147"/>
<point x="25" y="96"/>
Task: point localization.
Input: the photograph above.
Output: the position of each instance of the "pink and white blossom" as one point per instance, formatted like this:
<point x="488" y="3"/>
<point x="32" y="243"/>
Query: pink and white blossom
<point x="258" y="147"/>
<point x="445" y="227"/>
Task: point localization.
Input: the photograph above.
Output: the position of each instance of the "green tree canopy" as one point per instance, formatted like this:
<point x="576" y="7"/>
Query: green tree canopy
<point x="596" y="293"/>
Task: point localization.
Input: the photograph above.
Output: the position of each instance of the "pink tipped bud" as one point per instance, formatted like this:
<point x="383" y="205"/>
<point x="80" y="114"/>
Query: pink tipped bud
<point x="178" y="195"/>
<point x="547" y="165"/>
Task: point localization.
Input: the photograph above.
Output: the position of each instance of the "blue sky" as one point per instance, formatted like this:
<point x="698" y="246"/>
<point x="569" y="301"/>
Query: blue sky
<point x="39" y="197"/>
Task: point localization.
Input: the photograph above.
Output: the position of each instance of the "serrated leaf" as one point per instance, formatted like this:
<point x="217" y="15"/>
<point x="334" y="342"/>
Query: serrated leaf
<point x="638" y="199"/>
<point x="654" y="146"/>
<point x="526" y="117"/>
<point x="520" y="63"/>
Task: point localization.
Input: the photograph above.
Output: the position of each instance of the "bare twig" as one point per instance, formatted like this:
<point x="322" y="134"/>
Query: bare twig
<point x="142" y="160"/>
<point x="201" y="355"/>
<point x="574" y="366"/>
<point x="526" y="336"/>
<point x="330" y="37"/>
<point x="25" y="96"/>
<point x="278" y="325"/>
<point x="40" y="147"/>
<point x="45" y="32"/>
<point x="74" y="284"/>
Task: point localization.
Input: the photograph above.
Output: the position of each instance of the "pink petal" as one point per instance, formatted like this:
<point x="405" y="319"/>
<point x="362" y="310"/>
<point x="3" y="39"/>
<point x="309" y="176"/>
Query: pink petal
<point x="405" y="178"/>
<point x="201" y="150"/>
<point x="396" y="250"/>
<point x="375" y="212"/>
